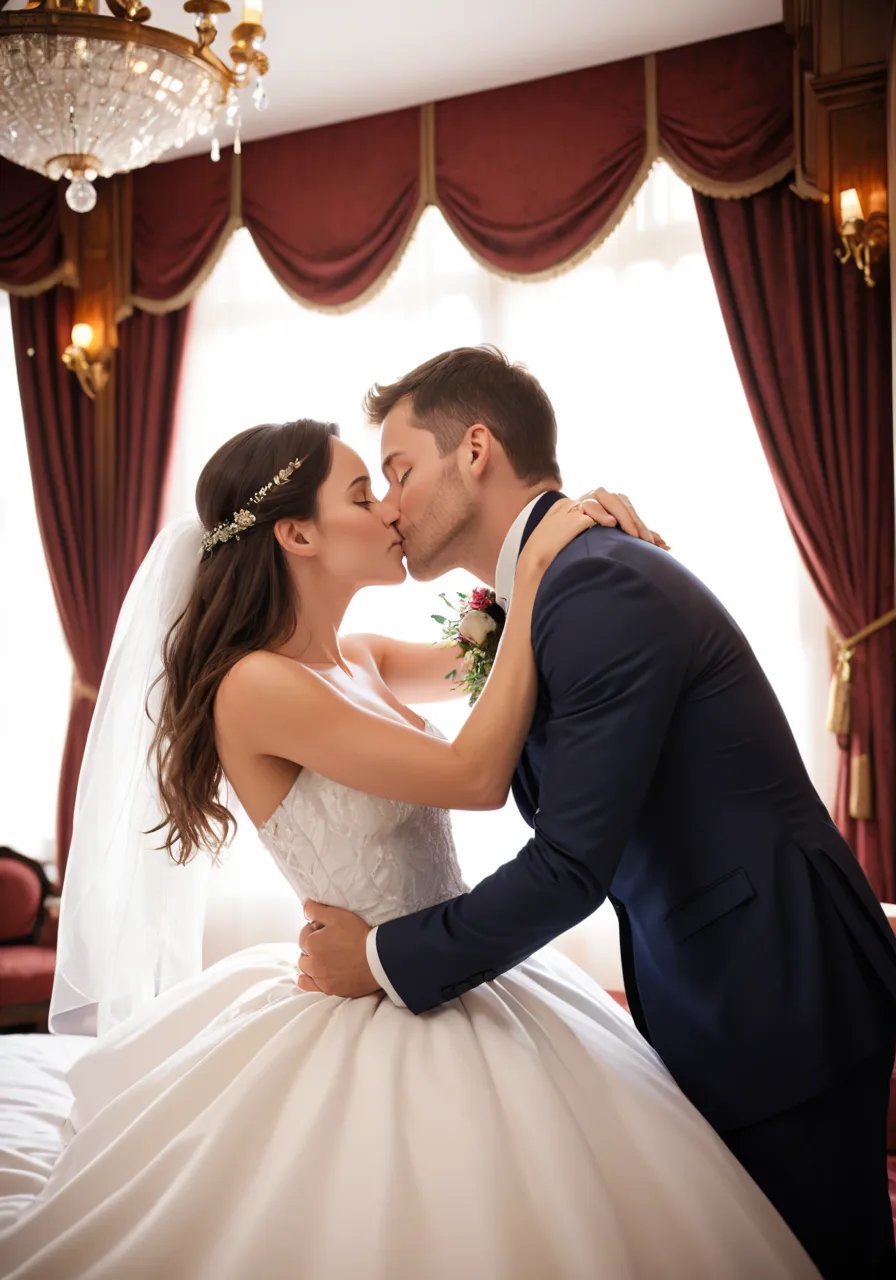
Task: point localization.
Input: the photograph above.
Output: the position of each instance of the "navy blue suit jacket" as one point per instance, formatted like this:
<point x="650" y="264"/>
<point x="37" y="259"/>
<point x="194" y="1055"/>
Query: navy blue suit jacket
<point x="660" y="772"/>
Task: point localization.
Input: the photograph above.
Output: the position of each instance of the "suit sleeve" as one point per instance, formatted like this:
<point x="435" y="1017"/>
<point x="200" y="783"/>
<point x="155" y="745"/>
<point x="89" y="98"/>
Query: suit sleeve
<point x="612" y="652"/>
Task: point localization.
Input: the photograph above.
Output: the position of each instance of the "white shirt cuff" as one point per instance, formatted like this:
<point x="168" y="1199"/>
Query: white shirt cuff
<point x="376" y="968"/>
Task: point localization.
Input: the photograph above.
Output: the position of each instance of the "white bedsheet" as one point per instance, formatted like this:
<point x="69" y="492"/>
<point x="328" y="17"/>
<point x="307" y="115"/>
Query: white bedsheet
<point x="34" y="1105"/>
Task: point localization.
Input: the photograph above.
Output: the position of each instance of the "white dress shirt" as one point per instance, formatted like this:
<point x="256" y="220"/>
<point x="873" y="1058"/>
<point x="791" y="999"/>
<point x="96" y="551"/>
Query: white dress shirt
<point x="504" y="577"/>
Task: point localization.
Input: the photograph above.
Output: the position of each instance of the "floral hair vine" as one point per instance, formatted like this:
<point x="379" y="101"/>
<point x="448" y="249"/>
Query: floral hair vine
<point x="475" y="631"/>
<point x="245" y="519"/>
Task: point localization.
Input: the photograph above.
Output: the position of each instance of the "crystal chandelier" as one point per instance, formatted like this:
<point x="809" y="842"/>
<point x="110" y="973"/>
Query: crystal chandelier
<point x="86" y="95"/>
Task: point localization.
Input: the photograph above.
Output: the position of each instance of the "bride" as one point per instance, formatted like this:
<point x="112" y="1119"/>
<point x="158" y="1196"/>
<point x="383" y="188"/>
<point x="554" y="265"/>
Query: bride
<point x="227" y="1124"/>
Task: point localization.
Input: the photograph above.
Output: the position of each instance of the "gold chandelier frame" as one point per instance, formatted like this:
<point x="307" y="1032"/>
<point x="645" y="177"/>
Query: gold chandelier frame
<point x="126" y="24"/>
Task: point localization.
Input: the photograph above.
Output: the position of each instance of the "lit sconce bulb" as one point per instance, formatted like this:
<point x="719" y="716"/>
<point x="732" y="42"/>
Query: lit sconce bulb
<point x="91" y="369"/>
<point x="850" y="206"/>
<point x="252" y="12"/>
<point x="82" y="335"/>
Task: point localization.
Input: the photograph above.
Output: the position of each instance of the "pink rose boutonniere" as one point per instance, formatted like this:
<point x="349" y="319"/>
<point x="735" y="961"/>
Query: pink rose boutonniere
<point x="476" y="631"/>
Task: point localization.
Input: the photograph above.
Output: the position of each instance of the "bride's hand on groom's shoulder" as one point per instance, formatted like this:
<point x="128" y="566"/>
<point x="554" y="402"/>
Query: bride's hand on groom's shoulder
<point x="616" y="510"/>
<point x="564" y="521"/>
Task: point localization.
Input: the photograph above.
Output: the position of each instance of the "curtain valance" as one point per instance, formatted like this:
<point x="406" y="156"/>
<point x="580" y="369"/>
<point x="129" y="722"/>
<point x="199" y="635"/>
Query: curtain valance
<point x="530" y="177"/>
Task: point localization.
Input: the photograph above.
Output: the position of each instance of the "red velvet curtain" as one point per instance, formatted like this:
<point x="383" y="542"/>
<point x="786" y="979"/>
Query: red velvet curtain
<point x="30" y="237"/>
<point x="97" y="476"/>
<point x="532" y="175"/>
<point x="183" y="211"/>
<point x="331" y="209"/>
<point x="812" y="343"/>
<point x="725" y="109"/>
<point x="529" y="176"/>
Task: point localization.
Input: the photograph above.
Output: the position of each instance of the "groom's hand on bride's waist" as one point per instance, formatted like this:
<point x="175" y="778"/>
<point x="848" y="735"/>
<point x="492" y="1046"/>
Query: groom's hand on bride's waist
<point x="333" y="958"/>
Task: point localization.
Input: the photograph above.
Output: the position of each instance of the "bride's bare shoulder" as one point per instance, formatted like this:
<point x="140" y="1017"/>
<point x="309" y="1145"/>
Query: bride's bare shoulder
<point x="259" y="674"/>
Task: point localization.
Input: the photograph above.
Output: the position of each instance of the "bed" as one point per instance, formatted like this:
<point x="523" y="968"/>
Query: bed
<point x="34" y="1105"/>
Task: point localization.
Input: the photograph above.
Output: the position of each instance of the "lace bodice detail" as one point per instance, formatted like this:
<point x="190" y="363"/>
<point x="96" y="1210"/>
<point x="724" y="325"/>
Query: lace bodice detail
<point x="378" y="858"/>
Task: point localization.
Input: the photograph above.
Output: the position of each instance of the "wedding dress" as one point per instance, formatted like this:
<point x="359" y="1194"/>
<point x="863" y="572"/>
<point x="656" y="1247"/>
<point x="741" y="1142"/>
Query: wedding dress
<point x="242" y="1128"/>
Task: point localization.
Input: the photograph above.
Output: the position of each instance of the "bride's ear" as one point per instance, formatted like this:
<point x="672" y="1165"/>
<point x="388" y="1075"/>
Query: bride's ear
<point x="295" y="536"/>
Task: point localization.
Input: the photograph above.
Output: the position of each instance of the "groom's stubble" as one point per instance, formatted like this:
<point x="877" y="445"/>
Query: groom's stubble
<point x="436" y="542"/>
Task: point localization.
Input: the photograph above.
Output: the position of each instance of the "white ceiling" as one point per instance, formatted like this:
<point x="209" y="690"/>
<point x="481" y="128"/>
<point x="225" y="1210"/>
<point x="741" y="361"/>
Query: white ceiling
<point x="339" y="59"/>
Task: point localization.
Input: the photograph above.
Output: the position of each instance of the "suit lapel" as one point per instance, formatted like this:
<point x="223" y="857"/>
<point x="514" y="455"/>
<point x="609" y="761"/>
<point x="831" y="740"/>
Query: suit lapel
<point x="538" y="513"/>
<point x="525" y="782"/>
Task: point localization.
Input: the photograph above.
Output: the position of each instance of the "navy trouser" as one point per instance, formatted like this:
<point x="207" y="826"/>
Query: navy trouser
<point x="823" y="1165"/>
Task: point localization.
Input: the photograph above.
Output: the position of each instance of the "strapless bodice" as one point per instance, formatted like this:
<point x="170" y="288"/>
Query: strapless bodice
<point x="378" y="858"/>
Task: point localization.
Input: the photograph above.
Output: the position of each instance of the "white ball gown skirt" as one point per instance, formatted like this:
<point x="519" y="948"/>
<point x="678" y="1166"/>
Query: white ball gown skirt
<point x="242" y="1128"/>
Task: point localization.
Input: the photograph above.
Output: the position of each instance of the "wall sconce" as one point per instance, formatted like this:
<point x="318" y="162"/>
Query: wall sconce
<point x="864" y="240"/>
<point x="91" y="371"/>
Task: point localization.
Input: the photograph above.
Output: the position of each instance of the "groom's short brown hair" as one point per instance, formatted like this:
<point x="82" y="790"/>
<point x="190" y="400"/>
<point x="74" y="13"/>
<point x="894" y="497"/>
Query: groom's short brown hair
<point x="478" y="384"/>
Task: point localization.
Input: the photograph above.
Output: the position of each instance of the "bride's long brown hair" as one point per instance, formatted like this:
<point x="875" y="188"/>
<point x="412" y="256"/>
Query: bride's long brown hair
<point x="243" y="600"/>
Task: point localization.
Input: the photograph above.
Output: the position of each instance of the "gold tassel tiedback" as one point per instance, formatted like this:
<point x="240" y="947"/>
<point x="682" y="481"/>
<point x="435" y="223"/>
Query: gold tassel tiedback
<point x="839" y="697"/>
<point x="860" y="799"/>
<point x="861" y="803"/>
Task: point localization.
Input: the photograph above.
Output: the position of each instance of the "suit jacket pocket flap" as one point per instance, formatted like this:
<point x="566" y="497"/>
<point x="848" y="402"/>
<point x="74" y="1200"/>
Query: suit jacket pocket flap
<point x="709" y="904"/>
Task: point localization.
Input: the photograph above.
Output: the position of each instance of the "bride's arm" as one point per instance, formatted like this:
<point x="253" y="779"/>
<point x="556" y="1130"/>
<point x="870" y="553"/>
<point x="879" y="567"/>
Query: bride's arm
<point x="417" y="672"/>
<point x="280" y="708"/>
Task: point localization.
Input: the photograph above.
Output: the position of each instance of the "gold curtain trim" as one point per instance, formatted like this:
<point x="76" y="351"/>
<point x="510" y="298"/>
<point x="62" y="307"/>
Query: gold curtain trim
<point x="162" y="306"/>
<point x="80" y="689"/>
<point x="339" y="308"/>
<point x="428" y="153"/>
<point x="38" y="286"/>
<point x="651" y="107"/>
<point x="727" y="190"/>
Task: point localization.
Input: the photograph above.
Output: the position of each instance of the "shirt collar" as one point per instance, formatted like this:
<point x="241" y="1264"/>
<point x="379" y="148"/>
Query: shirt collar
<point x="510" y="552"/>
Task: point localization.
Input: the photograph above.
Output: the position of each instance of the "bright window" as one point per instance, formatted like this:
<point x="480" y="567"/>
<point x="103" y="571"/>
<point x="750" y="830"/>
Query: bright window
<point x="631" y="347"/>
<point x="36" y="666"/>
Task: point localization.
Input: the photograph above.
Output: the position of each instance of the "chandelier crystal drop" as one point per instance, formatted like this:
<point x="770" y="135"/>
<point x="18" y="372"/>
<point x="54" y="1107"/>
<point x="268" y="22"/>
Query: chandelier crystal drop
<point x="84" y="95"/>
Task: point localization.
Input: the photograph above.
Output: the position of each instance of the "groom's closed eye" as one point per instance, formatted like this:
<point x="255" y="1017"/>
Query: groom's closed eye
<point x="394" y="467"/>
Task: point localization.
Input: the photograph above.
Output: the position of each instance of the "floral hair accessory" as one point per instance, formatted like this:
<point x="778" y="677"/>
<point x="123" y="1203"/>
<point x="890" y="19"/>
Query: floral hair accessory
<point x="244" y="519"/>
<point x="476" y="631"/>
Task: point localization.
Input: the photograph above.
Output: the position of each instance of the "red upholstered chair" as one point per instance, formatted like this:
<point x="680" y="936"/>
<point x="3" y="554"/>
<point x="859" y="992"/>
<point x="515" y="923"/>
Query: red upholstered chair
<point x="28" y="921"/>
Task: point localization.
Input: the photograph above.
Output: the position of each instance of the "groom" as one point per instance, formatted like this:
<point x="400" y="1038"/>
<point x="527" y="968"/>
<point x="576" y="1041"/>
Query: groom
<point x="659" y="772"/>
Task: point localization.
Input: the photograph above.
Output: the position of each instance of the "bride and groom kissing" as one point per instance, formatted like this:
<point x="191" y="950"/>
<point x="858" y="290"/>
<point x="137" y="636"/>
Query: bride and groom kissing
<point x="658" y="772"/>
<point x="475" y="1107"/>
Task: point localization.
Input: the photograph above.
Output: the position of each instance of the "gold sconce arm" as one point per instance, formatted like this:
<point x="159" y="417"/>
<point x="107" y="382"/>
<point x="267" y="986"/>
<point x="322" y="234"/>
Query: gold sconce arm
<point x="92" y="371"/>
<point x="864" y="241"/>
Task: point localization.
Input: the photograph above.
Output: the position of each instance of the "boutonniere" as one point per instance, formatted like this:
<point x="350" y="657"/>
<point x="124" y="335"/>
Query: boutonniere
<point x="475" y="630"/>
